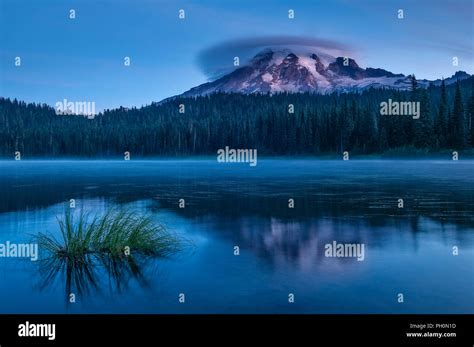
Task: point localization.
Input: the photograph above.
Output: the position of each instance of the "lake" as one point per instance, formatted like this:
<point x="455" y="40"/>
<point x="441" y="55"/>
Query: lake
<point x="423" y="250"/>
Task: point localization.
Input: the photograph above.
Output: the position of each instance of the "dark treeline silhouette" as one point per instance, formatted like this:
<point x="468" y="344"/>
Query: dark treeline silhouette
<point x="320" y="124"/>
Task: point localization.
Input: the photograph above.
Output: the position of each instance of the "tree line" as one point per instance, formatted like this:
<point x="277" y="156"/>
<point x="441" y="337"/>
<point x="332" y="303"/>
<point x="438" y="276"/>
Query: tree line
<point x="319" y="124"/>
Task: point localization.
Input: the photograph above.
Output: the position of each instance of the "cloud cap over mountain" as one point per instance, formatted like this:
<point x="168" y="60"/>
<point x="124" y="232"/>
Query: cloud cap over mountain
<point x="217" y="60"/>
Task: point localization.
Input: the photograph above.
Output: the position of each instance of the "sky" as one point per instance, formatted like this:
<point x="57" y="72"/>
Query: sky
<point x="82" y="59"/>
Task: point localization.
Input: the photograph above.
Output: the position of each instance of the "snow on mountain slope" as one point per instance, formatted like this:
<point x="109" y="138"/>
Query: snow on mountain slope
<point x="283" y="70"/>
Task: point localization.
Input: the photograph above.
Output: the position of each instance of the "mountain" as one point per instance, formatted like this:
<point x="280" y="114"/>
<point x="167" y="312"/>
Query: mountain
<point x="273" y="71"/>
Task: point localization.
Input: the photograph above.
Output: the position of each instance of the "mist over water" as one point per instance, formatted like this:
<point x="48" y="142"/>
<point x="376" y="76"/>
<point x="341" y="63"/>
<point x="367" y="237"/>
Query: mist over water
<point x="407" y="250"/>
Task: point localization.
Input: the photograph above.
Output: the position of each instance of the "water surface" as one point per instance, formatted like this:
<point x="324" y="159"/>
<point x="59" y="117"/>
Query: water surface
<point x="408" y="250"/>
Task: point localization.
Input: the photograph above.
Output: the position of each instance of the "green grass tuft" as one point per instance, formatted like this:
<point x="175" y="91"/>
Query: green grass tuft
<point x="109" y="234"/>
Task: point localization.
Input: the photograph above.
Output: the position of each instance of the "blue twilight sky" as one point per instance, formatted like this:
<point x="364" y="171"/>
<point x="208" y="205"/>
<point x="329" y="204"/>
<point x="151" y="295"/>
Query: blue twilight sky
<point x="82" y="59"/>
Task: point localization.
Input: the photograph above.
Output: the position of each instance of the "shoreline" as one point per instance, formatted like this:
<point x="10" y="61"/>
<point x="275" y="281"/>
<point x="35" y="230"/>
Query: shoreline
<point x="439" y="157"/>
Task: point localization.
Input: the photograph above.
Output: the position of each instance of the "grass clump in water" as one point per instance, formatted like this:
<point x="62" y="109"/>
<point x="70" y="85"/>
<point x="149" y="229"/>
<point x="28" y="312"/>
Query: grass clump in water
<point x="114" y="234"/>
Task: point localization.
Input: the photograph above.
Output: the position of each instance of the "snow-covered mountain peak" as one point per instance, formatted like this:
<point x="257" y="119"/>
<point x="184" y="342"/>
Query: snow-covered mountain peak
<point x="275" y="70"/>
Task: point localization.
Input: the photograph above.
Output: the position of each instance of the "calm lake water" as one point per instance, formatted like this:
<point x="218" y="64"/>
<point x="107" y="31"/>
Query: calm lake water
<point x="282" y="250"/>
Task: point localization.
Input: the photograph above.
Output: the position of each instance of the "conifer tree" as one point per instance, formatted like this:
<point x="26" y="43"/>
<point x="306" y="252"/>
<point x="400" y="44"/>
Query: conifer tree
<point x="457" y="121"/>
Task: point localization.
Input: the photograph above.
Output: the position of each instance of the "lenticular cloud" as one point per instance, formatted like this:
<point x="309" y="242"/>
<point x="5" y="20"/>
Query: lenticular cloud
<point x="217" y="60"/>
